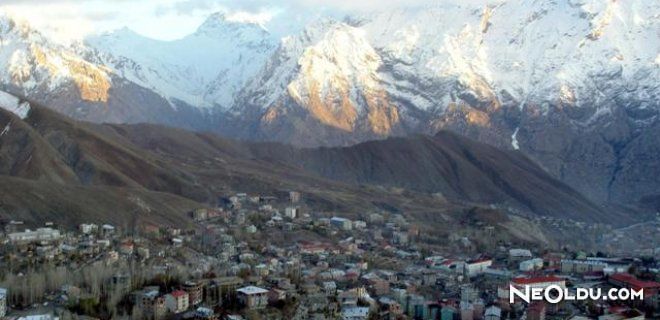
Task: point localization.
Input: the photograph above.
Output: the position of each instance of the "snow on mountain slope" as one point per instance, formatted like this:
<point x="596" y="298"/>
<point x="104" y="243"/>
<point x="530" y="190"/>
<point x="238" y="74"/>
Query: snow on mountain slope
<point x="539" y="51"/>
<point x="29" y="62"/>
<point x="331" y="71"/>
<point x="14" y="105"/>
<point x="372" y="73"/>
<point x="518" y="52"/>
<point x="203" y="69"/>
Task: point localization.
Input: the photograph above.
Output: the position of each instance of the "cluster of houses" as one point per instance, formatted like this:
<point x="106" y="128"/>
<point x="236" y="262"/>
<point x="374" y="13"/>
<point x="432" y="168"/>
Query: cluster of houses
<point x="244" y="259"/>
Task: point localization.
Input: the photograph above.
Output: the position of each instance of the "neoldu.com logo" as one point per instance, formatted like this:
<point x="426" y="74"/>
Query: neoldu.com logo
<point x="555" y="294"/>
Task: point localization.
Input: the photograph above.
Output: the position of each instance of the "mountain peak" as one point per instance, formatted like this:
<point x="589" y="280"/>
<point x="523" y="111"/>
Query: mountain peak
<point x="10" y="23"/>
<point x="220" y="23"/>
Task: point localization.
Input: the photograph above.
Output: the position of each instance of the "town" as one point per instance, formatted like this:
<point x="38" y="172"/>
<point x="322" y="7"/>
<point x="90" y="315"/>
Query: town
<point x="267" y="257"/>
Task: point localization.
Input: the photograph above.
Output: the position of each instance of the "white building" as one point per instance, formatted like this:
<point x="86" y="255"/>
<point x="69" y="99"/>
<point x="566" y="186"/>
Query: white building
<point x="253" y="297"/>
<point x="38" y="317"/>
<point x="108" y="230"/>
<point x="359" y="224"/>
<point x="531" y="264"/>
<point x="88" y="228"/>
<point x="291" y="212"/>
<point x="39" y="235"/>
<point x="476" y="267"/>
<point x="520" y="253"/>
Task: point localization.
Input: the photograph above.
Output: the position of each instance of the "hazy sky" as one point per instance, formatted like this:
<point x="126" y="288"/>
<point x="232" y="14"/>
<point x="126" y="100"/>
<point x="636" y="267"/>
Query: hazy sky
<point x="171" y="19"/>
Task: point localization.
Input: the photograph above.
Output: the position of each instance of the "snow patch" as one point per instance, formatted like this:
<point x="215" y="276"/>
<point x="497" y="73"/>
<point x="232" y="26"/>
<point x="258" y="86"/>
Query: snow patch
<point x="14" y="105"/>
<point x="514" y="139"/>
<point x="6" y="129"/>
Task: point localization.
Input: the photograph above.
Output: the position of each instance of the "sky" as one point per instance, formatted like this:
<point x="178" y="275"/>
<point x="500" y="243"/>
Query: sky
<point x="66" y="20"/>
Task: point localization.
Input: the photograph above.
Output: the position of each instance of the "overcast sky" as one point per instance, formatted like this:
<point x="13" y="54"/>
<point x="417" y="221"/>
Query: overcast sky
<point x="171" y="19"/>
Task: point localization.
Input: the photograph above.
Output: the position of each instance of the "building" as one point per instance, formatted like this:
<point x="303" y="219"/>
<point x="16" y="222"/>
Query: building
<point x="194" y="291"/>
<point x="469" y="294"/>
<point x="520" y="254"/>
<point x="152" y="305"/>
<point x="44" y="316"/>
<point x="531" y="265"/>
<point x="359" y="224"/>
<point x="355" y="313"/>
<point x="219" y="290"/>
<point x="493" y="313"/>
<point x="341" y="223"/>
<point x="39" y="235"/>
<point x="476" y="267"/>
<point x="400" y="238"/>
<point x="538" y="282"/>
<point x="416" y="307"/>
<point x="651" y="288"/>
<point x="291" y="212"/>
<point x="108" y="230"/>
<point x="467" y="311"/>
<point x="389" y="308"/>
<point x="88" y="228"/>
<point x="177" y="301"/>
<point x="253" y="297"/>
<point x="294" y="196"/>
<point x="582" y="266"/>
<point x="448" y="313"/>
<point x="330" y="288"/>
<point x="204" y="313"/>
<point x="251" y="229"/>
<point x="536" y="310"/>
<point x="127" y="248"/>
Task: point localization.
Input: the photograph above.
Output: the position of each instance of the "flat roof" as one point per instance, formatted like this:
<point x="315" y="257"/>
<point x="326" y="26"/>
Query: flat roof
<point x="252" y="290"/>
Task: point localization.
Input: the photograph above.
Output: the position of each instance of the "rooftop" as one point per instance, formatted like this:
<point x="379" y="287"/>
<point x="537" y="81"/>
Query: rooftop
<point x="252" y="290"/>
<point x="634" y="282"/>
<point x="178" y="293"/>
<point x="536" y="280"/>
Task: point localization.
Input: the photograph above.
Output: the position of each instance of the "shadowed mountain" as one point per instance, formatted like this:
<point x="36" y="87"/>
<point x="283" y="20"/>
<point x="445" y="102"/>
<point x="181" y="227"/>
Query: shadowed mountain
<point x="83" y="170"/>
<point x="457" y="167"/>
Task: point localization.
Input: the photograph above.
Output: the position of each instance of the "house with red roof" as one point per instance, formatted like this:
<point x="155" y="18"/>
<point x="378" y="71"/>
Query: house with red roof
<point x="651" y="288"/>
<point x="538" y="282"/>
<point x="177" y="301"/>
<point x="476" y="267"/>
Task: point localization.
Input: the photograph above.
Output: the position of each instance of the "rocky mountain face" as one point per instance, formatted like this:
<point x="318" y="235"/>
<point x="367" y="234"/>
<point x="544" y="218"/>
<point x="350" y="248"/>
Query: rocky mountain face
<point x="572" y="84"/>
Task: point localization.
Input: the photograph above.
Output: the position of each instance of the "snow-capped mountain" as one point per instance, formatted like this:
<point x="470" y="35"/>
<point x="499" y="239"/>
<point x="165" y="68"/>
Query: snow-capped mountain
<point x="32" y="64"/>
<point x="573" y="84"/>
<point x="423" y="62"/>
<point x="537" y="51"/>
<point x="203" y="69"/>
<point x="403" y="65"/>
<point x="327" y="75"/>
